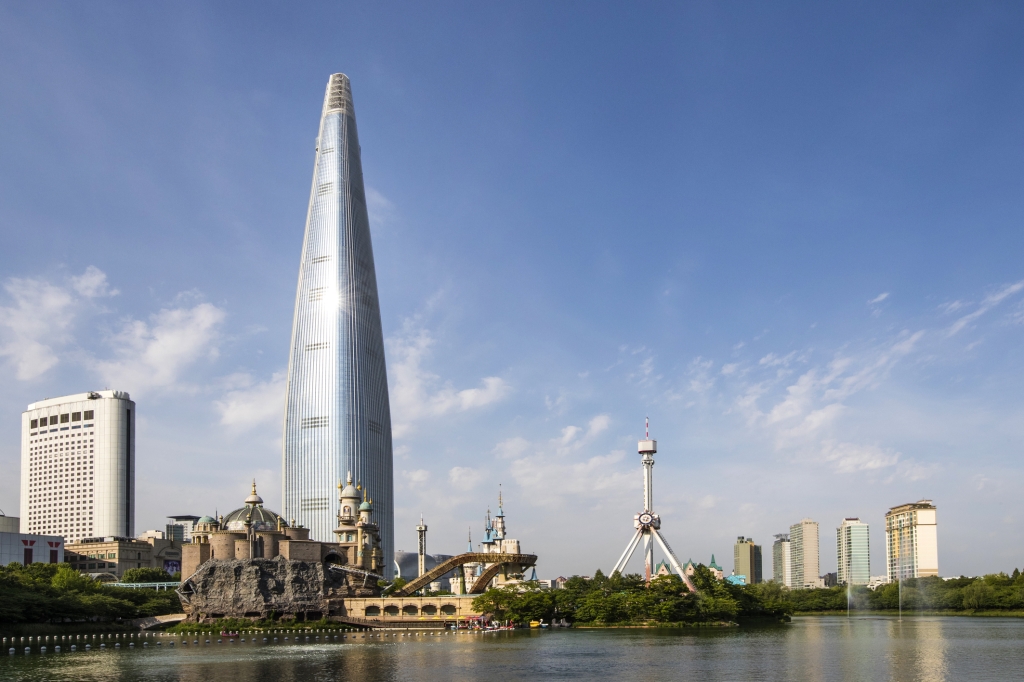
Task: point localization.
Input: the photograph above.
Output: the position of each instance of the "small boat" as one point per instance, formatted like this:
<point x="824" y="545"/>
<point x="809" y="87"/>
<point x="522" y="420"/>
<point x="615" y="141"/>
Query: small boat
<point x="535" y="623"/>
<point x="225" y="633"/>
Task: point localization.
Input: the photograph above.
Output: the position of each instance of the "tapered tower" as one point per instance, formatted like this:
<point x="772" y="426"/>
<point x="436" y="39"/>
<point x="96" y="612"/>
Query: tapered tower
<point x="337" y="414"/>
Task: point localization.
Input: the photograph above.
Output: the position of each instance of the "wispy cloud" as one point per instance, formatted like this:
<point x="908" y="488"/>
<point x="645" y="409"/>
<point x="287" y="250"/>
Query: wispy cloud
<point x="878" y="299"/>
<point x="803" y="420"/>
<point x="381" y="209"/>
<point x="253" y="403"/>
<point x="37" y="323"/>
<point x="464" y="478"/>
<point x="987" y="303"/>
<point x="154" y="354"/>
<point x="418" y="393"/>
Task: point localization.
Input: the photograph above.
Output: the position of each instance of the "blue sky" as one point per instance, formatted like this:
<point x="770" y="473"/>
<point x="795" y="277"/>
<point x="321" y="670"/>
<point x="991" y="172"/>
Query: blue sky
<point x="789" y="233"/>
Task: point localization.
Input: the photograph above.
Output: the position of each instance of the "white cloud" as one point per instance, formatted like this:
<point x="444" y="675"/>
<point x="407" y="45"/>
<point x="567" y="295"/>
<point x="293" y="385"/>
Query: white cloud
<point x="730" y="368"/>
<point x="93" y="283"/>
<point x="568" y="433"/>
<point x="381" y="209"/>
<point x="154" y="354"/>
<point x="850" y="458"/>
<point x="552" y="480"/>
<point x="989" y="302"/>
<point x="773" y="360"/>
<point x="254" y="404"/>
<point x="416" y="477"/>
<point x="598" y="424"/>
<point x="418" y="394"/>
<point x="39" y="321"/>
<point x="804" y="420"/>
<point x="464" y="478"/>
<point x="879" y="298"/>
<point x="513" y="447"/>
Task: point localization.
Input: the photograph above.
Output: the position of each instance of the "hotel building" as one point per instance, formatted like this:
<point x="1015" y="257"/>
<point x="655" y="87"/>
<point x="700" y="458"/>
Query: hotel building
<point x="78" y="466"/>
<point x="911" y="541"/>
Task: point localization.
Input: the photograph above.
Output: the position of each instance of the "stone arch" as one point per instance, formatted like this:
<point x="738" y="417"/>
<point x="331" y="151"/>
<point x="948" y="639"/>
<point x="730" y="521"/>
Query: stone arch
<point x="391" y="610"/>
<point x="409" y="610"/>
<point x="448" y="609"/>
<point x="428" y="610"/>
<point x="372" y="611"/>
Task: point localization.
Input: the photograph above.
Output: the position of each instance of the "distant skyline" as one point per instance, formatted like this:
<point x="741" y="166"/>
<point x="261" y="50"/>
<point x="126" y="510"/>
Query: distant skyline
<point x="789" y="233"/>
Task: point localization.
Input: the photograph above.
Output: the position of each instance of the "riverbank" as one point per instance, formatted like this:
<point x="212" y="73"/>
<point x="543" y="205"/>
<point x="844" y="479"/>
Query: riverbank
<point x="976" y="613"/>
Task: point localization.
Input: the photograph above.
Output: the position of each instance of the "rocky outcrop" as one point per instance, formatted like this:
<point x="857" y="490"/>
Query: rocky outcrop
<point x="264" y="588"/>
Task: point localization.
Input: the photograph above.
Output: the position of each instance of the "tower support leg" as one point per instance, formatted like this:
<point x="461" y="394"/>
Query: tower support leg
<point x="674" y="560"/>
<point x="630" y="548"/>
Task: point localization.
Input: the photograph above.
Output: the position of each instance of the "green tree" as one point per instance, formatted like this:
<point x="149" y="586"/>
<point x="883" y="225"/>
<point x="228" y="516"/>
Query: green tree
<point x="146" y="575"/>
<point x="67" y="579"/>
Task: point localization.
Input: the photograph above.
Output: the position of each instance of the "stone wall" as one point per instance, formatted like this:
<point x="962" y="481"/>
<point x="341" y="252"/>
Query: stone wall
<point x="259" y="588"/>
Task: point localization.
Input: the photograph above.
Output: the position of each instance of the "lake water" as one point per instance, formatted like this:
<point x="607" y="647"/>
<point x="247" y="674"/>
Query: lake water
<point x="810" y="648"/>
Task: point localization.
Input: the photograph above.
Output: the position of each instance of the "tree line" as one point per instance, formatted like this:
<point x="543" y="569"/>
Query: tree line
<point x="994" y="592"/>
<point x="628" y="599"/>
<point x="53" y="593"/>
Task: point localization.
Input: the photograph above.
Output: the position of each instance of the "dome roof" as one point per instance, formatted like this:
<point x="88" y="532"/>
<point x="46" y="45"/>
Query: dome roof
<point x="262" y="519"/>
<point x="349" y="491"/>
<point x="206" y="519"/>
<point x="366" y="506"/>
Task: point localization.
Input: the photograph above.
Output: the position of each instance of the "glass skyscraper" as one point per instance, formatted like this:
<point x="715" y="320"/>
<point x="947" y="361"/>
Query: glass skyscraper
<point x="337" y="414"/>
<point x="853" y="553"/>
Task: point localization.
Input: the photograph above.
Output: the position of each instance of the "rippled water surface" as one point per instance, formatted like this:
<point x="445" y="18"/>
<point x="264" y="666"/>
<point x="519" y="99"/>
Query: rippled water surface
<point x="812" y="648"/>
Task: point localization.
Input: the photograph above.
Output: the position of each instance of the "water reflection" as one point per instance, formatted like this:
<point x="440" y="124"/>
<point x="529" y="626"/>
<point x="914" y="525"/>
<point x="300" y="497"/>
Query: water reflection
<point x="918" y="650"/>
<point x="822" y="649"/>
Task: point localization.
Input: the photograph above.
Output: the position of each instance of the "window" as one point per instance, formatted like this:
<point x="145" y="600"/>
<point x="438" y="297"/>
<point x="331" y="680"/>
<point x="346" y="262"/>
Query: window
<point x="53" y="419"/>
<point x="325" y="188"/>
<point x="87" y="415"/>
<point x="34" y="424"/>
<point x="313" y="422"/>
<point x="65" y="418"/>
<point x="76" y="416"/>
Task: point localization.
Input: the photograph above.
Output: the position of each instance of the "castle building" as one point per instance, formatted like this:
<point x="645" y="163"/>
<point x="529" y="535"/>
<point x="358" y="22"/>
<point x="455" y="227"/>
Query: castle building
<point x="689" y="568"/>
<point x="254" y="532"/>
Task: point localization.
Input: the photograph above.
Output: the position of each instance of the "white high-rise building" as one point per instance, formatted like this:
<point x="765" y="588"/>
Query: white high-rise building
<point x="911" y="541"/>
<point x="782" y="560"/>
<point x="803" y="539"/>
<point x="853" y="553"/>
<point x="78" y="466"/>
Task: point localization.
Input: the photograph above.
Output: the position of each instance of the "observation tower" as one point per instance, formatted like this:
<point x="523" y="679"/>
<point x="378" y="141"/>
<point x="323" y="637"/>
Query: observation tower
<point x="647" y="523"/>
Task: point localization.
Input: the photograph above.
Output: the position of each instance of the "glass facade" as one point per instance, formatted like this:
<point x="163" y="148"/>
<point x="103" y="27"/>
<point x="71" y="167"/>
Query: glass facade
<point x="853" y="553"/>
<point x="337" y="414"/>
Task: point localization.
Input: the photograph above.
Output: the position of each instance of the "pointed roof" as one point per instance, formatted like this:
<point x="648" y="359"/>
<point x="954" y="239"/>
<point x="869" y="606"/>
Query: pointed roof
<point x="713" y="564"/>
<point x="253" y="499"/>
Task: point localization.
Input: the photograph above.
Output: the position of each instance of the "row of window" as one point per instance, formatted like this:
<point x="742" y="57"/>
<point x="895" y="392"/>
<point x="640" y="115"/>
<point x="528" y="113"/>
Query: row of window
<point x="63" y="418"/>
